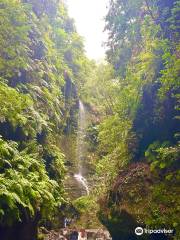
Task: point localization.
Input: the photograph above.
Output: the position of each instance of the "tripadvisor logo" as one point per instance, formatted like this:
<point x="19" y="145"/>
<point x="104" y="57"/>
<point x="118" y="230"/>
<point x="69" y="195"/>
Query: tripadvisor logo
<point x="139" y="231"/>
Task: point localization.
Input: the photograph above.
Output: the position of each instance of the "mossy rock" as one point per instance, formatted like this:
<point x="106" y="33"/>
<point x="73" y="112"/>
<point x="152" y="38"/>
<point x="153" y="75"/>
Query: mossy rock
<point x="134" y="199"/>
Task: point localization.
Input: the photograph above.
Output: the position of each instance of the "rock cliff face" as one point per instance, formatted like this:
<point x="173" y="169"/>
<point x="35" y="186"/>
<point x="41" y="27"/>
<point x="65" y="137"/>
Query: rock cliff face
<point x="133" y="202"/>
<point x="27" y="230"/>
<point x="121" y="211"/>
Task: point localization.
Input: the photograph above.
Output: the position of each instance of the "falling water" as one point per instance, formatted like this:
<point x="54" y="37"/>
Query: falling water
<point x="81" y="146"/>
<point x="83" y="181"/>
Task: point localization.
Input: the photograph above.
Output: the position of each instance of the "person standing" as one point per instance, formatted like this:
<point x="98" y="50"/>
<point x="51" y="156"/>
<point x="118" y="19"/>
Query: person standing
<point x="82" y="235"/>
<point x="65" y="222"/>
<point x="74" y="235"/>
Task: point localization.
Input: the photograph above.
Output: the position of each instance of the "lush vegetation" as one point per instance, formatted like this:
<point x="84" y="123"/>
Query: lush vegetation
<point x="141" y="116"/>
<point x="41" y="53"/>
<point x="133" y="103"/>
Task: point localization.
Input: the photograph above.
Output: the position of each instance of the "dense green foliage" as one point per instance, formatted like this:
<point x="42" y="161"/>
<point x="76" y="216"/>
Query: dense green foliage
<point x="25" y="185"/>
<point x="141" y="103"/>
<point x="132" y="100"/>
<point x="143" y="124"/>
<point x="40" y="52"/>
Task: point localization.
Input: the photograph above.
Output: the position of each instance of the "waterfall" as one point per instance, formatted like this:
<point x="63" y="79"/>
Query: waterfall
<point x="83" y="181"/>
<point x="81" y="146"/>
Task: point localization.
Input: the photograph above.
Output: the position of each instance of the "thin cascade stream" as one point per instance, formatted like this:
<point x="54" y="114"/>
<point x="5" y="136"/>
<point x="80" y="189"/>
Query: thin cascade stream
<point x="81" y="147"/>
